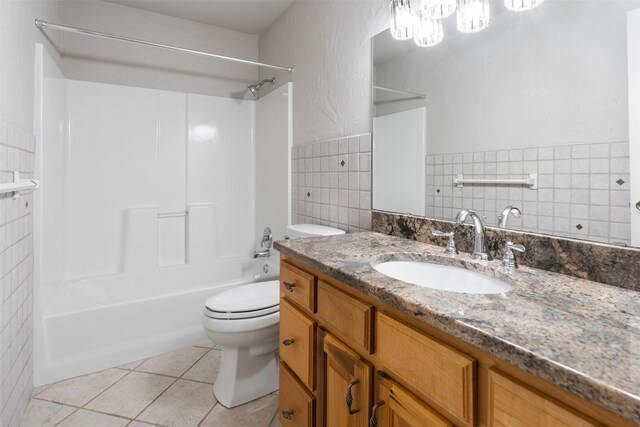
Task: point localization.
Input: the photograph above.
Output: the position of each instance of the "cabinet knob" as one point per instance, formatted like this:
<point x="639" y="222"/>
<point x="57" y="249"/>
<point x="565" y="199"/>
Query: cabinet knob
<point x="349" y="398"/>
<point x="289" y="286"/>
<point x="638" y="205"/>
<point x="287" y="414"/>
<point x="288" y="342"/>
<point x="373" y="421"/>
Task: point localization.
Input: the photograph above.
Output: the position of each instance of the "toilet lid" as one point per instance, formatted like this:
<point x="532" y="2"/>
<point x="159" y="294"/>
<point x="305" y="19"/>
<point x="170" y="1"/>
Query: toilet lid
<point x="312" y="230"/>
<point x="253" y="300"/>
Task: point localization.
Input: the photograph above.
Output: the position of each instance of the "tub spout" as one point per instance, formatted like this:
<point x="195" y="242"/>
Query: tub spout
<point x="265" y="253"/>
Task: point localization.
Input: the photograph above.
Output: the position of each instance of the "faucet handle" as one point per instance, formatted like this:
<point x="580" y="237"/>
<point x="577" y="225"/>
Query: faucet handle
<point x="451" y="244"/>
<point x="509" y="260"/>
<point x="514" y="247"/>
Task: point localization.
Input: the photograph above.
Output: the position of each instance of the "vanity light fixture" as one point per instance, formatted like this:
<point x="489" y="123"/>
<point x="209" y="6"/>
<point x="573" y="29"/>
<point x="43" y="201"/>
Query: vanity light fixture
<point x="422" y="19"/>
<point x="437" y="9"/>
<point x="473" y="15"/>
<point x="403" y="19"/>
<point x="521" y="5"/>
<point x="429" y="32"/>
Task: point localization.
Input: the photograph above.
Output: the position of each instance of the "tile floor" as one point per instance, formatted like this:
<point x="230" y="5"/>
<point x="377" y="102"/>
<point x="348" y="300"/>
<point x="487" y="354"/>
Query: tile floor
<point x="172" y="389"/>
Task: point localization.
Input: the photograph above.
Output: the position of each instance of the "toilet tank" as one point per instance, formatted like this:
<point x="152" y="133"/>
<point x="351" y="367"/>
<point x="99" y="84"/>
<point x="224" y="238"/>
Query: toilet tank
<point x="299" y="231"/>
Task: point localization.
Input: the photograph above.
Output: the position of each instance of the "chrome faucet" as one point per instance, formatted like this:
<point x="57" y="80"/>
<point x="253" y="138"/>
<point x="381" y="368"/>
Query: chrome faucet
<point x="509" y="260"/>
<point x="479" y="245"/>
<point x="266" y="243"/>
<point x="504" y="216"/>
<point x="451" y="243"/>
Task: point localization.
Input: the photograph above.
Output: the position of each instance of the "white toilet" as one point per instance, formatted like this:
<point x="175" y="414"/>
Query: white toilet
<point x="299" y="231"/>
<point x="244" y="321"/>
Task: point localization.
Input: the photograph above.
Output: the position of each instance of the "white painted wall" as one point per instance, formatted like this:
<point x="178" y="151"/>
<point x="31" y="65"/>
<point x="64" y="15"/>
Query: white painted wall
<point x="400" y="147"/>
<point x="108" y="61"/>
<point x="273" y="143"/>
<point x="328" y="43"/>
<point x="529" y="80"/>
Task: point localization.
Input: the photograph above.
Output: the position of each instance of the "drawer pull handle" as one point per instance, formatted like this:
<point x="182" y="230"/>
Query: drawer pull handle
<point x="373" y="421"/>
<point x="288" y="342"/>
<point x="349" y="398"/>
<point x="287" y="415"/>
<point x="289" y="286"/>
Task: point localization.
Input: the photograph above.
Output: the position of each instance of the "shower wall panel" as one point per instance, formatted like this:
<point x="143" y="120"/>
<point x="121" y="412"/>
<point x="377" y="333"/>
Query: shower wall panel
<point x="155" y="179"/>
<point x="112" y="166"/>
<point x="220" y="169"/>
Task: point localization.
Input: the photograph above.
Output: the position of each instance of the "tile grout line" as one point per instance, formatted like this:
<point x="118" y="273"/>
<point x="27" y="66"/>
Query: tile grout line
<point x="129" y="371"/>
<point x="103" y="391"/>
<point x="62" y="420"/>
<point x="275" y="416"/>
<point x="210" y="411"/>
<point x="171" y="385"/>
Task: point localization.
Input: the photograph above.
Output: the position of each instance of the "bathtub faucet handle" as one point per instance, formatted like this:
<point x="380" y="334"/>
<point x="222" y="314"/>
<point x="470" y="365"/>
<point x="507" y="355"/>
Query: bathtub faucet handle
<point x="267" y="239"/>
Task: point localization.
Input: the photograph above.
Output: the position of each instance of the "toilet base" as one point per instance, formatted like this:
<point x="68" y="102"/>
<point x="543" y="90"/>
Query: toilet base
<point x="244" y="376"/>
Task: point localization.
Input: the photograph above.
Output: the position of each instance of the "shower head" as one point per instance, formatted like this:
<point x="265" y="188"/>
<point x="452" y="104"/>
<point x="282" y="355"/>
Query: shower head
<point x="255" y="88"/>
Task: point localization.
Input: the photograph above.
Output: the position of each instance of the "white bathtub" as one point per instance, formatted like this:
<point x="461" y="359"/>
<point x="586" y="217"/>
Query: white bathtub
<point x="106" y="321"/>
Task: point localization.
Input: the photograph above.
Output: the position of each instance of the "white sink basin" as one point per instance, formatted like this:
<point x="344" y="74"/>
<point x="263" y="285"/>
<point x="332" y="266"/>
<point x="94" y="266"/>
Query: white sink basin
<point x="442" y="277"/>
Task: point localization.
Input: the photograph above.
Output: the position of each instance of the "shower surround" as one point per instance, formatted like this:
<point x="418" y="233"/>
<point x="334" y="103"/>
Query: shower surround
<point x="148" y="206"/>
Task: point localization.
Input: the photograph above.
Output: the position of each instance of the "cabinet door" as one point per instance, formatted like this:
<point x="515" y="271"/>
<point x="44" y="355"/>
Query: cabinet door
<point x="347" y="385"/>
<point x="514" y="404"/>
<point x="396" y="407"/>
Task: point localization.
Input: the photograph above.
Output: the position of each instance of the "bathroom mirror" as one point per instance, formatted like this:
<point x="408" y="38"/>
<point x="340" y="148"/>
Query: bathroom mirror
<point x="532" y="112"/>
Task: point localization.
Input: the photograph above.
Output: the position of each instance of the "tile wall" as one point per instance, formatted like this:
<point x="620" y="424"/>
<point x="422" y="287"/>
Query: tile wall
<point x="583" y="189"/>
<point x="331" y="183"/>
<point x="16" y="277"/>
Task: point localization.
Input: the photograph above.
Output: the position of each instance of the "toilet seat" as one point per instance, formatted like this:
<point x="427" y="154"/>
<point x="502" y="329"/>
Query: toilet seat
<point x="251" y="324"/>
<point x="245" y="302"/>
<point x="230" y="315"/>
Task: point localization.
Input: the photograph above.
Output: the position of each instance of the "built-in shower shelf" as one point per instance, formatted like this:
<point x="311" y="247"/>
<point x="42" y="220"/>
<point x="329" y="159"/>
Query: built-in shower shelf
<point x="19" y="185"/>
<point x="531" y="181"/>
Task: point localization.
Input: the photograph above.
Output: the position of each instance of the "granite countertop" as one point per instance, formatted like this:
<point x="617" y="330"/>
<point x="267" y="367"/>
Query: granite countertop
<point x="580" y="335"/>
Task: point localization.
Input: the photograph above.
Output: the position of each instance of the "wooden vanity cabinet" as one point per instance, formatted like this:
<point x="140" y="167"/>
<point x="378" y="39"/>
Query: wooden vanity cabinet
<point x="513" y="404"/>
<point x="348" y="357"/>
<point x="396" y="407"/>
<point x="346" y="389"/>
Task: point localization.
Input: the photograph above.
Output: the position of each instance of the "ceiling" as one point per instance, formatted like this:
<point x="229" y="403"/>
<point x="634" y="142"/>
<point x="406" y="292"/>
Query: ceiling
<point x="247" y="16"/>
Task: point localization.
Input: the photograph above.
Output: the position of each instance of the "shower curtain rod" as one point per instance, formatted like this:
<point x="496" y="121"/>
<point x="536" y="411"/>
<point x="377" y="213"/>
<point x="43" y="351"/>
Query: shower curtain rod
<point x="43" y="24"/>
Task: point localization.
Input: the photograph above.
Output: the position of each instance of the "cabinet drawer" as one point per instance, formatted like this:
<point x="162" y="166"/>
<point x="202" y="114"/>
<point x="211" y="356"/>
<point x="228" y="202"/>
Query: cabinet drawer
<point x="298" y="342"/>
<point x="349" y="316"/>
<point x="513" y="404"/>
<point x="298" y="286"/>
<point x="443" y="374"/>
<point x="296" y="405"/>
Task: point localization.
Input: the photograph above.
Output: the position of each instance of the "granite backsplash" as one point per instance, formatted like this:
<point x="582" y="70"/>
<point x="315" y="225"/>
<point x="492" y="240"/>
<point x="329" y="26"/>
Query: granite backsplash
<point x="613" y="265"/>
